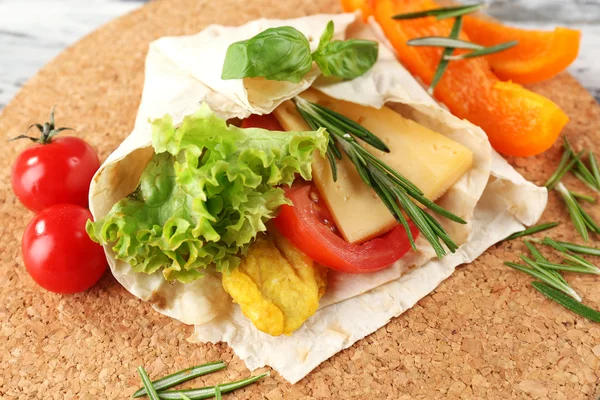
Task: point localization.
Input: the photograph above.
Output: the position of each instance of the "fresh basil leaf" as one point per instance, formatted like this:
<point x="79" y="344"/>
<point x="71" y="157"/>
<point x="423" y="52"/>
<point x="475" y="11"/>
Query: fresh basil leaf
<point x="280" y="54"/>
<point x="347" y="59"/>
<point x="326" y="36"/>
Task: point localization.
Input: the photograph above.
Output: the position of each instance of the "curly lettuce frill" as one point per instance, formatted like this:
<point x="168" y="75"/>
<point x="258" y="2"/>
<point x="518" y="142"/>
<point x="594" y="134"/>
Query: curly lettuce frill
<point x="206" y="193"/>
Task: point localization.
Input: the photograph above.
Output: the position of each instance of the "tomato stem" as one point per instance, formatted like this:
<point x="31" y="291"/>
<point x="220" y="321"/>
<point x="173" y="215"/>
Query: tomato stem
<point x="48" y="131"/>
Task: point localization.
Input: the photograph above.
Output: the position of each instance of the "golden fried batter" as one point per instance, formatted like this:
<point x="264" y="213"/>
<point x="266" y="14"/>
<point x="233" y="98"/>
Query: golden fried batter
<point x="277" y="286"/>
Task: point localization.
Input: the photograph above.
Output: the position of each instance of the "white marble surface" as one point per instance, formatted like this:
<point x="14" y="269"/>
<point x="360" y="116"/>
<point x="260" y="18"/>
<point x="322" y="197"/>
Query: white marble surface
<point x="32" y="32"/>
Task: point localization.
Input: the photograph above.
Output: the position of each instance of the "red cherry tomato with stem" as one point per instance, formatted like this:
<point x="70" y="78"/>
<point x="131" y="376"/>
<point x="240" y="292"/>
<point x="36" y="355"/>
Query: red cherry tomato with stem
<point x="55" y="170"/>
<point x="58" y="253"/>
<point x="307" y="225"/>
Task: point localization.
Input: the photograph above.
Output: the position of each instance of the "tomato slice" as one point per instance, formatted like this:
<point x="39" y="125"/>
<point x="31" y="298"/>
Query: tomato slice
<point x="267" y="121"/>
<point x="307" y="225"/>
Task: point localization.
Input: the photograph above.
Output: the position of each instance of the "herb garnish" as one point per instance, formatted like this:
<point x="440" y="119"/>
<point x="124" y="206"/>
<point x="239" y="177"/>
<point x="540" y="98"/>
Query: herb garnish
<point x="533" y="229"/>
<point x="396" y="192"/>
<point x="183" y="376"/>
<point x="283" y="54"/>
<point x="150" y="390"/>
<point x="567" y="302"/>
<point x="442" y="13"/>
<point x="452" y="42"/>
<point x="155" y="391"/>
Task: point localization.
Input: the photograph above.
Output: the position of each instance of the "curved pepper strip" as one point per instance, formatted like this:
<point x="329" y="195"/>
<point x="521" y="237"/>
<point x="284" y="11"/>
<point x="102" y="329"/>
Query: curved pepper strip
<point x="539" y="55"/>
<point x="517" y="121"/>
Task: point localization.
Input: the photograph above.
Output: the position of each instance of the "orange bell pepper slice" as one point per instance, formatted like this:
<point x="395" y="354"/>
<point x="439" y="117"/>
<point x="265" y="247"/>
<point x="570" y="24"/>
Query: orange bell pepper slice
<point x="538" y="56"/>
<point x="517" y="121"/>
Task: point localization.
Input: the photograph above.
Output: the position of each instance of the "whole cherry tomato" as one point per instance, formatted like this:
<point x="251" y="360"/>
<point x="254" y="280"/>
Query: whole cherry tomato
<point x="55" y="170"/>
<point x="58" y="253"/>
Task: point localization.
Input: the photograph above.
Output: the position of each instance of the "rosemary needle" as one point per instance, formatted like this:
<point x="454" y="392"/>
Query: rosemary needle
<point x="567" y="302"/>
<point x="576" y="248"/>
<point x="568" y="268"/>
<point x="183" y="376"/>
<point x="209" y="391"/>
<point x="583" y="197"/>
<point x="441" y="13"/>
<point x="594" y="167"/>
<point x="533" y="229"/>
<point x="574" y="211"/>
<point x="484" y="51"/>
<point x="150" y="390"/>
<point x="443" y="65"/>
<point x="560" y="172"/>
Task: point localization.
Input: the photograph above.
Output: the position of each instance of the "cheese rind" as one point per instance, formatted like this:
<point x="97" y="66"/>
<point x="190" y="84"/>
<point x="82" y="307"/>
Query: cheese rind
<point x="429" y="159"/>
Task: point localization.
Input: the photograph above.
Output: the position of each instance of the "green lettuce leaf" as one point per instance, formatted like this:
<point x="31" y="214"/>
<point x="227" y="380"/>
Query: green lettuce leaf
<point x="204" y="196"/>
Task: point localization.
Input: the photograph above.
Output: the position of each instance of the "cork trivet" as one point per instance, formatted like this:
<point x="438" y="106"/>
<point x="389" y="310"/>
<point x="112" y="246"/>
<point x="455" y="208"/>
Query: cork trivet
<point x="484" y="333"/>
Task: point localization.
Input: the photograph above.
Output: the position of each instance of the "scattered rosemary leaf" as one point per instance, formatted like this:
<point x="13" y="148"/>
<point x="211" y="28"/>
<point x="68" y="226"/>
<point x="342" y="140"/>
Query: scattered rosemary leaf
<point x="209" y="391"/>
<point x="568" y="268"/>
<point x="594" y="167"/>
<point x="567" y="256"/>
<point x="576" y="248"/>
<point x="574" y="211"/>
<point x="183" y="376"/>
<point x="485" y="51"/>
<point x="585" y="173"/>
<point x="559" y="173"/>
<point x="583" y="179"/>
<point x="539" y="257"/>
<point x="584" y="197"/>
<point x="441" y="13"/>
<point x="184" y="397"/>
<point x="550" y="279"/>
<point x="564" y="160"/>
<point x="567" y="302"/>
<point x="150" y="390"/>
<point x="443" y="65"/>
<point x="448" y="42"/>
<point x="533" y="229"/>
<point x="218" y="395"/>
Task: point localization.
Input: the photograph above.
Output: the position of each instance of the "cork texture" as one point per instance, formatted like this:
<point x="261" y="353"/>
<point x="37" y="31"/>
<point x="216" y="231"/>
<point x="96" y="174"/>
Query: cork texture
<point x="484" y="333"/>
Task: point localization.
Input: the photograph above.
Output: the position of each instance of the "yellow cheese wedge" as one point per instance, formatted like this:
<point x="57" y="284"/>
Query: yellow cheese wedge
<point x="430" y="160"/>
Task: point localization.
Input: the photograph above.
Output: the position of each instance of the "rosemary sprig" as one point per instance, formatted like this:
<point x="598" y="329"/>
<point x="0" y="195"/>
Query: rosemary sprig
<point x="183" y="376"/>
<point x="484" y="51"/>
<point x="150" y="390"/>
<point x="546" y="277"/>
<point x="533" y="229"/>
<point x="395" y="191"/>
<point x="441" y="13"/>
<point x="209" y="391"/>
<point x="567" y="302"/>
<point x="443" y="64"/>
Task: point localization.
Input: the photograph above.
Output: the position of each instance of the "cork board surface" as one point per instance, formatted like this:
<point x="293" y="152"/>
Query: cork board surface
<point x="484" y="333"/>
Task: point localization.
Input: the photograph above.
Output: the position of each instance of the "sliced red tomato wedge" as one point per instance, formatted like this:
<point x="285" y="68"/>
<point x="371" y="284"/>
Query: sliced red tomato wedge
<point x="307" y="225"/>
<point x="266" y="121"/>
